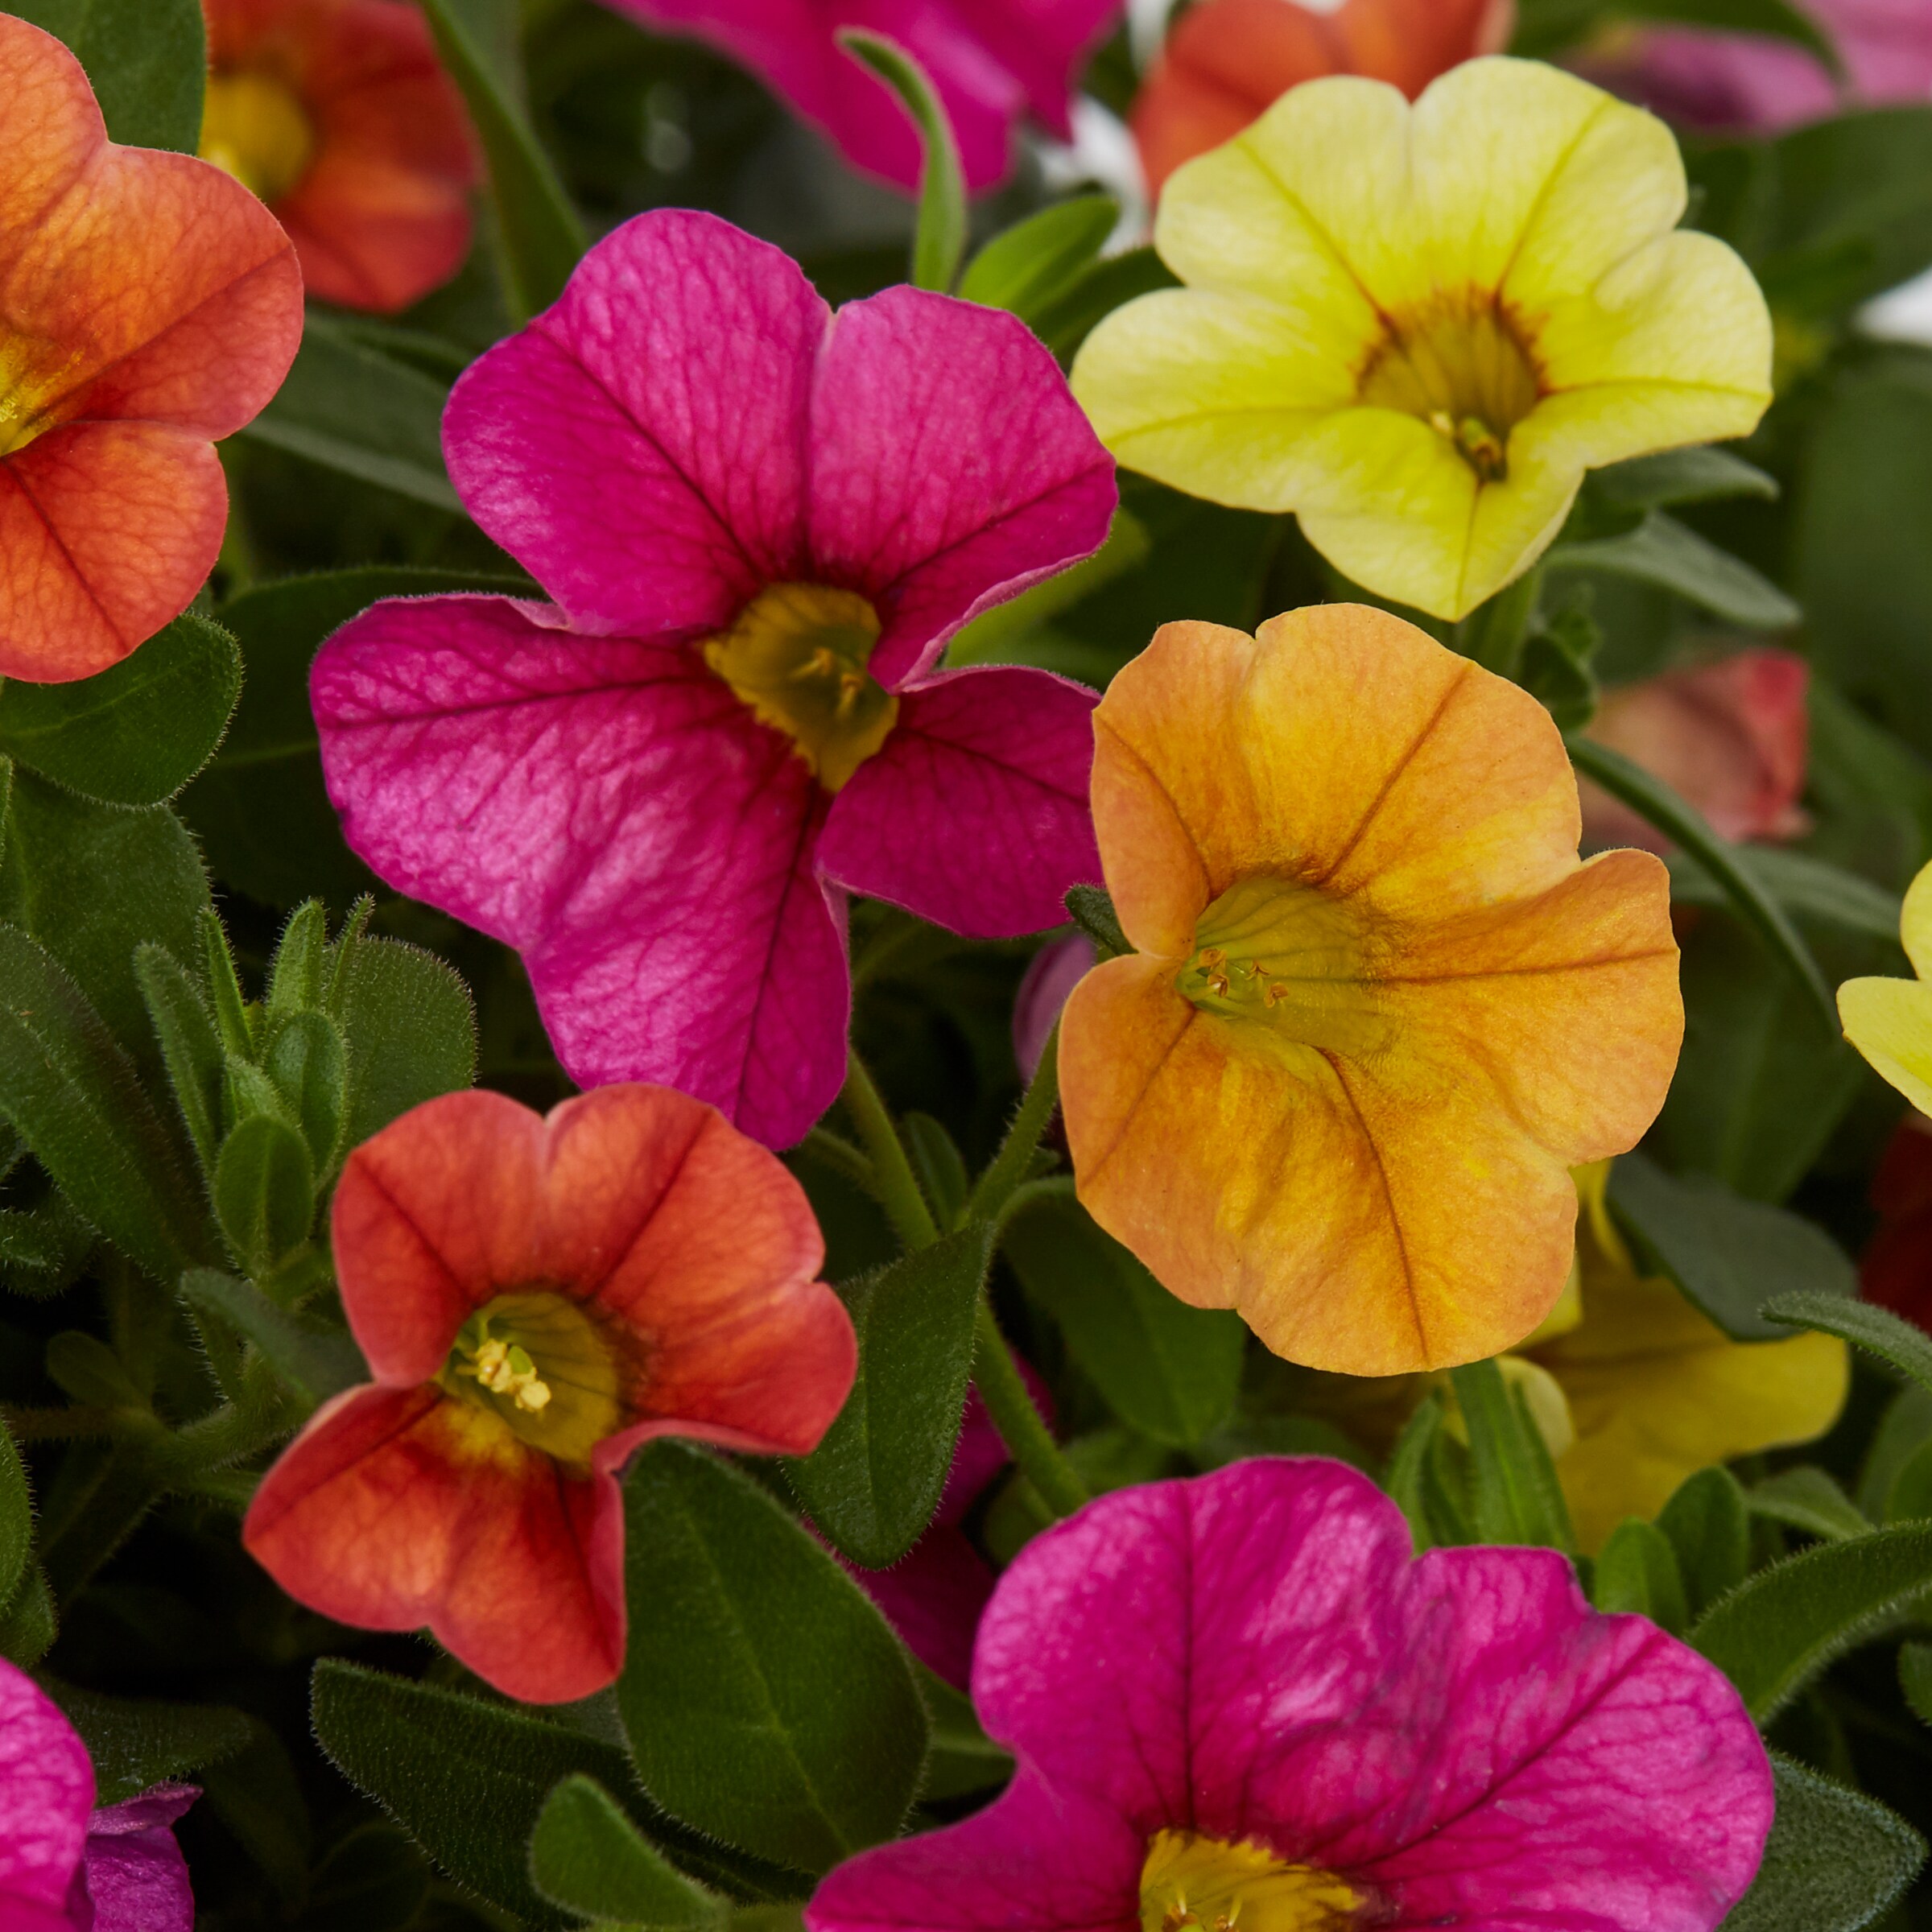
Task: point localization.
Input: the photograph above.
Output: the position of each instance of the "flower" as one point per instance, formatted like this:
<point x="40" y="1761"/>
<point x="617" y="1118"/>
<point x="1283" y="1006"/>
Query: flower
<point x="151" y="306"/>
<point x="992" y="62"/>
<point x="1226" y="61"/>
<point x="1378" y="1009"/>
<point x="1731" y="737"/>
<point x="338" y="114"/>
<point x="537" y="1297"/>
<point x="1417" y="328"/>
<point x="760" y="525"/>
<point x="66" y="1866"/>
<point x="1236" y="1699"/>
<point x="1890" y="1021"/>
<point x="1052" y="974"/>
<point x="1896" y="1269"/>
<point x="1748" y="83"/>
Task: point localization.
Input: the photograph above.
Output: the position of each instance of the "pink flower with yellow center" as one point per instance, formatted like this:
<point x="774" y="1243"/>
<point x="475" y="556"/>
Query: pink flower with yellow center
<point x="537" y="1298"/>
<point x="1378" y="1009"/>
<point x="1239" y="1701"/>
<point x="148" y="306"/>
<point x="760" y="524"/>
<point x="338" y="114"/>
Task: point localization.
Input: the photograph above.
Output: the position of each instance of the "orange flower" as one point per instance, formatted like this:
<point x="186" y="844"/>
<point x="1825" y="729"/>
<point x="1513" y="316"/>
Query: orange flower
<point x="337" y="113"/>
<point x="537" y="1298"/>
<point x="1226" y="61"/>
<point x="148" y="306"/>
<point x="1379" y="1010"/>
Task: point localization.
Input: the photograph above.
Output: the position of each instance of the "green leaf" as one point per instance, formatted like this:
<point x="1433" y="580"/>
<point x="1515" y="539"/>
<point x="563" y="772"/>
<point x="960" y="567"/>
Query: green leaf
<point x="255" y="1794"/>
<point x="296" y="972"/>
<point x="147" y="60"/>
<point x="586" y="1856"/>
<point x="409" y="1027"/>
<point x="1091" y="909"/>
<point x="373" y="1880"/>
<point x="764" y="1698"/>
<point x="1064" y="321"/>
<point x="191" y="1050"/>
<point x="136" y="1743"/>
<point x="308" y="1063"/>
<point x="1637" y="1571"/>
<point x="1699" y="475"/>
<point x="1909" y="1498"/>
<point x="1169" y="1370"/>
<point x="1835" y="1862"/>
<point x="1659" y="805"/>
<point x="1027" y="265"/>
<point x="1708" y="1523"/>
<point x="962" y="1758"/>
<point x="16" y="1517"/>
<point x="1915" y="1678"/>
<point x="135" y="733"/>
<point x="1408" y="1462"/>
<point x="539" y="236"/>
<point x="874" y="1481"/>
<point x="28" y="1624"/>
<point x="1808" y="1499"/>
<point x="1807" y="888"/>
<point x="1903" y="1430"/>
<point x="1672" y="556"/>
<point x="314" y="1359"/>
<point x="1729" y="1256"/>
<point x="941" y="1167"/>
<point x="73" y="1095"/>
<point x="940" y="238"/>
<point x="1907" y="1347"/>
<point x="353" y="409"/>
<point x="1515" y="1496"/>
<point x="264" y="1193"/>
<point x="1778" y="1629"/>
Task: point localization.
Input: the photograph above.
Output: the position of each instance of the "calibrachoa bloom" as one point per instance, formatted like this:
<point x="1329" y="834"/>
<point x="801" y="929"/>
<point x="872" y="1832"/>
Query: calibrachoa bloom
<point x="1896" y="1269"/>
<point x="760" y="524"/>
<point x="66" y="1866"/>
<point x="1890" y="1021"/>
<point x="1418" y="327"/>
<point x="337" y="113"/>
<point x="993" y="61"/>
<point x="1378" y="1010"/>
<point x="1226" y="61"/>
<point x="1238" y="1701"/>
<point x="1731" y="737"/>
<point x="148" y="306"/>
<point x="538" y="1297"/>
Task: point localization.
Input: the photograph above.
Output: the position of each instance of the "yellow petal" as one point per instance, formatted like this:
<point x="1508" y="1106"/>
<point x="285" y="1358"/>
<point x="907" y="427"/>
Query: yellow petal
<point x="1915" y="923"/>
<point x="1890" y="1022"/>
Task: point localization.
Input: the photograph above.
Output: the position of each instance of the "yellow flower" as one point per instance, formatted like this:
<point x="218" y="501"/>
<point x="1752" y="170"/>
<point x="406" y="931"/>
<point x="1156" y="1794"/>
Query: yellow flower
<point x="1890" y="1021"/>
<point x="1379" y="1010"/>
<point x="1418" y="327"/>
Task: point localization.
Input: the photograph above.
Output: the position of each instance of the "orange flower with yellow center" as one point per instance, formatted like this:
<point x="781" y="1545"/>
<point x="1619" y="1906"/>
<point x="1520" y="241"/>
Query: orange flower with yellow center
<point x="148" y="306"/>
<point x="1378" y="1009"/>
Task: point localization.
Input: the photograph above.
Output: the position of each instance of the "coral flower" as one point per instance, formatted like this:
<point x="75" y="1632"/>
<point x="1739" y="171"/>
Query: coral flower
<point x="150" y="306"/>
<point x="1237" y="1700"/>
<point x="66" y="1866"/>
<point x="1890" y="1021"/>
<point x="337" y="113"/>
<point x="993" y="61"/>
<point x="760" y="525"/>
<point x="1226" y="61"/>
<point x="1732" y="738"/>
<point x="1418" y="327"/>
<point x="1896" y="1269"/>
<point x="1378" y="1011"/>
<point x="536" y="1298"/>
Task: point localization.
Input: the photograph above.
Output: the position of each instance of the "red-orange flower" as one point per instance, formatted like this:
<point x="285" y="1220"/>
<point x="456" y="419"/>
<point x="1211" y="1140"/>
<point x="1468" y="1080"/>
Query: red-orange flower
<point x="148" y="306"/>
<point x="1226" y="61"/>
<point x="338" y="114"/>
<point x="536" y="1298"/>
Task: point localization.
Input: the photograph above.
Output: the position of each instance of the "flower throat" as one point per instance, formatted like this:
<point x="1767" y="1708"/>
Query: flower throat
<point x="1192" y="1883"/>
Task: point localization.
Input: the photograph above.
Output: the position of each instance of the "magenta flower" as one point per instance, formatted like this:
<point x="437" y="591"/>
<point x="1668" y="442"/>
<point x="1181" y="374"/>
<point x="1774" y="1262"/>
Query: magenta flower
<point x="1236" y="1699"/>
<point x="65" y="1866"/>
<point x="760" y="524"/>
<point x="993" y="62"/>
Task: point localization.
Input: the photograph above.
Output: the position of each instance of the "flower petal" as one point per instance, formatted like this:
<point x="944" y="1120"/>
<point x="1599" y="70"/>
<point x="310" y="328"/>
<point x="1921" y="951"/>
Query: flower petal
<point x="397" y="1508"/>
<point x="974" y="814"/>
<point x="47" y="1790"/>
<point x="137" y="1878"/>
<point x="641" y="448"/>
<point x="951" y="468"/>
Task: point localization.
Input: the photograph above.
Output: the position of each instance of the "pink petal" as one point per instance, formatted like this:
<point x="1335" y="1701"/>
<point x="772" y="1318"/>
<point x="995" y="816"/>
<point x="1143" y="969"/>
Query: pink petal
<point x="640" y="448"/>
<point x="611" y="810"/>
<point x="933" y="1596"/>
<point x="974" y="814"/>
<point x="47" y="1790"/>
<point x="951" y="468"/>
<point x="136" y="1874"/>
<point x="1056" y="969"/>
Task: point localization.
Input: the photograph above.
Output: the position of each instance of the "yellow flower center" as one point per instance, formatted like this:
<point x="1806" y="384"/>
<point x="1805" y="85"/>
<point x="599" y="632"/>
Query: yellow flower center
<point x="1207" y="1883"/>
<point x="27" y="382"/>
<point x="1284" y="953"/>
<point x="797" y="656"/>
<point x="1463" y="367"/>
<point x="544" y="1366"/>
<point x="253" y="127"/>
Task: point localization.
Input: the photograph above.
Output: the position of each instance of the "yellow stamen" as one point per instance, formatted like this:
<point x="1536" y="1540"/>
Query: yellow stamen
<point x="254" y="127"/>
<point x="550" y="1371"/>
<point x="1461" y="367"/>
<point x="1194" y="1884"/>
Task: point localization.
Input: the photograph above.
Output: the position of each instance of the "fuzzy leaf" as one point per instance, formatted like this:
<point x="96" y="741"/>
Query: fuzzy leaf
<point x="1807" y="1499"/>
<point x="135" y="1742"/>
<point x="1906" y="1348"/>
<point x="264" y="1193"/>
<point x="147" y="61"/>
<point x="191" y="1050"/>
<point x="1636" y="1569"/>
<point x="1025" y="267"/>
<point x="586" y="1856"/>
<point x="410" y="1027"/>
<point x="317" y="1360"/>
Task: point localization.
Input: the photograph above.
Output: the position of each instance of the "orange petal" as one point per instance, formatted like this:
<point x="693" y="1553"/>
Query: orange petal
<point x="398" y="1507"/>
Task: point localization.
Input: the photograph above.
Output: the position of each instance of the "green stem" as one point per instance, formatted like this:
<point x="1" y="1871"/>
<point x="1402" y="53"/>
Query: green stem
<point x="1495" y="633"/>
<point x="898" y="1187"/>
<point x="996" y="1185"/>
<point x="835" y="1153"/>
<point x="998" y="1377"/>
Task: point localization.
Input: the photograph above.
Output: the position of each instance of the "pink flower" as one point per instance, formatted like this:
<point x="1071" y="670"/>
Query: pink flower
<point x="1749" y="83"/>
<point x="992" y="61"/>
<point x="1055" y="970"/>
<point x="1240" y="1691"/>
<point x="65" y="1866"/>
<point x="760" y="525"/>
<point x="1732" y="738"/>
